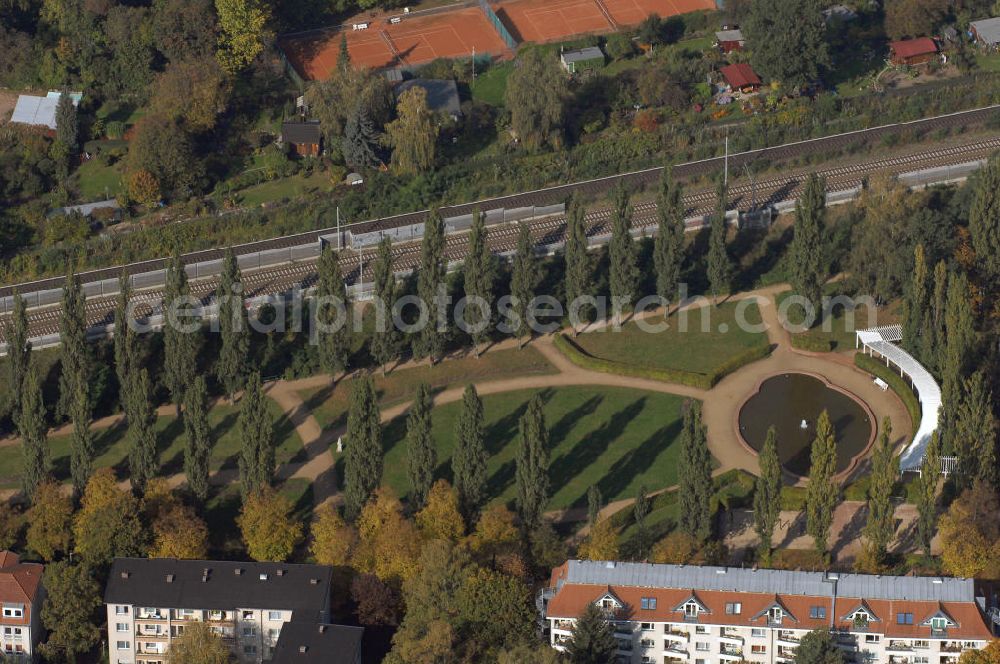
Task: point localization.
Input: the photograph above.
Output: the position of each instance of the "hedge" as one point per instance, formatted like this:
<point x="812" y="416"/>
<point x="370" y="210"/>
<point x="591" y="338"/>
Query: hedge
<point x="811" y="344"/>
<point x="704" y="381"/>
<point x="793" y="498"/>
<point x="896" y="382"/>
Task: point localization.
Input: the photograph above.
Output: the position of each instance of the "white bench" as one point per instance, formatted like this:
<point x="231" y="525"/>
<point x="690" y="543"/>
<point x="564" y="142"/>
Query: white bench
<point x="396" y="19"/>
<point x="881" y="384"/>
<point x="360" y="26"/>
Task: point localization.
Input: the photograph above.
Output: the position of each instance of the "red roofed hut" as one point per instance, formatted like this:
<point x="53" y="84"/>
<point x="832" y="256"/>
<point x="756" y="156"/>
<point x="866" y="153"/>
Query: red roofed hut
<point x="741" y="77"/>
<point x="913" y="51"/>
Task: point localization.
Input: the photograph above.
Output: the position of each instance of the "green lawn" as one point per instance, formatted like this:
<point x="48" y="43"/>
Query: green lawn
<point x="989" y="62"/>
<point x="837" y="332"/>
<point x="290" y="187"/>
<point x="698" y="340"/>
<point x="111" y="446"/>
<point x="329" y="405"/>
<point x="491" y="86"/>
<point x="614" y="438"/>
<point x="97" y="181"/>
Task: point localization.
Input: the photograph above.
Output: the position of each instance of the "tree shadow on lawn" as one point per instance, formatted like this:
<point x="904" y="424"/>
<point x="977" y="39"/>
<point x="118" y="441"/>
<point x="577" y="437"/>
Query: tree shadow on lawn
<point x="218" y="431"/>
<point x="591" y="447"/>
<point x="167" y="437"/>
<point x="635" y="462"/>
<point x="566" y="423"/>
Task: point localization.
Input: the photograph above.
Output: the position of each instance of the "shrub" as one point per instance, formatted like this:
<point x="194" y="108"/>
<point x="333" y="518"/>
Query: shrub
<point x="811" y="344"/>
<point x="620" y="46"/>
<point x="114" y="130"/>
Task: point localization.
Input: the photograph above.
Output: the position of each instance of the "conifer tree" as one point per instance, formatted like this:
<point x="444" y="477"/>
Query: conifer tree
<point x="916" y="303"/>
<point x="926" y="490"/>
<point x="822" y="492"/>
<point x="640" y="510"/>
<point x="344" y="56"/>
<point x="523" y="282"/>
<point x="431" y="278"/>
<point x="532" y="471"/>
<point x="74" y="382"/>
<point x="180" y="347"/>
<point x="231" y="364"/>
<point x="668" y="247"/>
<point x="593" y="640"/>
<point x="363" y="464"/>
<point x="694" y="471"/>
<point x="881" y="525"/>
<point x="125" y="339"/>
<point x="806" y="253"/>
<point x="939" y="302"/>
<point x="960" y="338"/>
<point x="468" y="462"/>
<point x="142" y="435"/>
<point x="767" y="494"/>
<point x="256" y="461"/>
<point x="36" y="462"/>
<point x="18" y="353"/>
<point x="974" y="438"/>
<point x="624" y="276"/>
<point x="385" y="337"/>
<point x="359" y="141"/>
<point x="198" y="446"/>
<point x="720" y="267"/>
<point x="421" y="454"/>
<point x="480" y="273"/>
<point x="579" y="270"/>
<point x="334" y="344"/>
<point x="984" y="220"/>
<point x="594" y="504"/>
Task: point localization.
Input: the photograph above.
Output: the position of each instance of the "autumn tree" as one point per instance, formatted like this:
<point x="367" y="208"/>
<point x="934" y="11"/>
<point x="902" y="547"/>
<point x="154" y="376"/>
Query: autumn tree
<point x="388" y="542"/>
<point x="165" y="149"/>
<point x="694" y="471"/>
<point x="143" y="187"/>
<point x="36" y="462"/>
<point x="198" y="438"/>
<point x="107" y="526"/>
<point x="913" y="18"/>
<point x="269" y="531"/>
<point x="495" y="534"/>
<point x="624" y="276"/>
<point x="536" y="94"/>
<point x="332" y="307"/>
<point x="668" y="247"/>
<point x="413" y="134"/>
<point x="194" y="90"/>
<point x="231" y="363"/>
<point x="69" y="613"/>
<point x="822" y="493"/>
<point x="970" y="534"/>
<point x="468" y="462"/>
<point x="243" y="24"/>
<point x="333" y="539"/>
<point x="524" y="278"/>
<point x="363" y="465"/>
<point x="881" y="525"/>
<point x="808" y="266"/>
<point x="767" y="493"/>
<point x="601" y="542"/>
<point x="49" y="521"/>
<point x="532" y="465"/>
<point x="378" y="602"/>
<point x="593" y="640"/>
<point x="988" y="655"/>
<point x="256" y="426"/>
<point x="179" y="533"/>
<point x="441" y="517"/>
<point x="421" y="453"/>
<point x="198" y="644"/>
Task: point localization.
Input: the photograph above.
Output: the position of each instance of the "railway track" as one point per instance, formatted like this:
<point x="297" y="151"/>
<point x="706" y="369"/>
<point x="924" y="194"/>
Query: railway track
<point x="545" y="231"/>
<point x="556" y="194"/>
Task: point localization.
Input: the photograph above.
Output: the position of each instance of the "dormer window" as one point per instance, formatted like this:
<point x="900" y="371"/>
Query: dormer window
<point x="775" y="615"/>
<point x="608" y="603"/>
<point x="691" y="609"/>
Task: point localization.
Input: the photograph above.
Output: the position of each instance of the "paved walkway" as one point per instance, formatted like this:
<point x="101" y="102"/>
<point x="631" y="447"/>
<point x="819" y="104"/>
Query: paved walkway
<point x="720" y="403"/>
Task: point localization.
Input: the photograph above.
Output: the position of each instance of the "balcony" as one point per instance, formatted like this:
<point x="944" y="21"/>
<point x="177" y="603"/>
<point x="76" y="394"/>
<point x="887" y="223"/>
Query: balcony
<point x="160" y="635"/>
<point x="676" y="635"/>
<point x="624" y="629"/>
<point x="899" y="646"/>
<point x="951" y="646"/>
<point x="730" y="653"/>
<point x="157" y="649"/>
<point x="730" y="636"/>
<point x="218" y="616"/>
<point x="150" y="615"/>
<point x="676" y="648"/>
<point x="563" y="625"/>
<point x="787" y="638"/>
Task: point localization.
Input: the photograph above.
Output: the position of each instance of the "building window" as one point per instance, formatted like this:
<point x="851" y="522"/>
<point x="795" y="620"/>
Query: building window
<point x="702" y="646"/>
<point x="121" y="627"/>
<point x="758" y="650"/>
<point x="775" y="615"/>
<point x="248" y="615"/>
<point x="646" y="626"/>
<point x="122" y="645"/>
<point x="699" y="661"/>
<point x="691" y="609"/>
<point x="921" y="644"/>
<point x="758" y="632"/>
<point x="734" y="608"/>
<point x="701" y="629"/>
<point x="12" y="632"/>
<point x="249" y="631"/>
<point x="904" y="618"/>
<point x="250" y="650"/>
<point x="11" y="612"/>
<point x="121" y="610"/>
<point x="272" y="634"/>
<point x="872" y="638"/>
<point x="274" y="615"/>
<point x="817" y="612"/>
<point x="648" y="603"/>
<point x="920" y="660"/>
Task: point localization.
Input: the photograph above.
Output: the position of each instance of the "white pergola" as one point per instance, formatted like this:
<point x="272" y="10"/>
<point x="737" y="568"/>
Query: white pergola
<point x="882" y="341"/>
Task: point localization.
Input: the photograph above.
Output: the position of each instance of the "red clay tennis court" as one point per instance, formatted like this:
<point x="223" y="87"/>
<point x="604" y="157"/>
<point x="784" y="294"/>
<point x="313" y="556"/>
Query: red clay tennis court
<point x="451" y="34"/>
<point x="632" y="12"/>
<point x="530" y="20"/>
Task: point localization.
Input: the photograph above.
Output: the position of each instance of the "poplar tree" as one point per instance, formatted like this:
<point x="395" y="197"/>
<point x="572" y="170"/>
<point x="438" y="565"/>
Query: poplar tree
<point x="344" y="57"/>
<point x="468" y="462"/>
<point x="694" y="472"/>
<point x="532" y="471"/>
<point x="334" y="345"/>
<point x="385" y="337"/>
<point x="523" y="282"/>
<point x="939" y="302"/>
<point x="142" y="435"/>
<point x="231" y="364"/>
<point x="579" y="270"/>
<point x="926" y="489"/>
<point x="363" y="463"/>
<point x="806" y="252"/>
<point x="75" y="383"/>
<point x="974" y="438"/>
<point x="881" y="525"/>
<point x="984" y="220"/>
<point x="198" y="446"/>
<point x="668" y="247"/>
<point x="18" y="353"/>
<point x="594" y="504"/>
<point x="430" y="278"/>
<point x="479" y="274"/>
<point x="421" y="454"/>
<point x="256" y="428"/>
<point x="916" y="328"/>
<point x="180" y="348"/>
<point x="720" y="267"/>
<point x="624" y="276"/>
<point x="36" y="461"/>
<point x="125" y="340"/>
<point x="959" y="342"/>
<point x="767" y="494"/>
<point x="822" y="492"/>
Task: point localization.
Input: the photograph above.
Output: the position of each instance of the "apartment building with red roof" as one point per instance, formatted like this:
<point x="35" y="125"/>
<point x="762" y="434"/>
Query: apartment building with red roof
<point x="21" y="596"/>
<point x="715" y="615"/>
